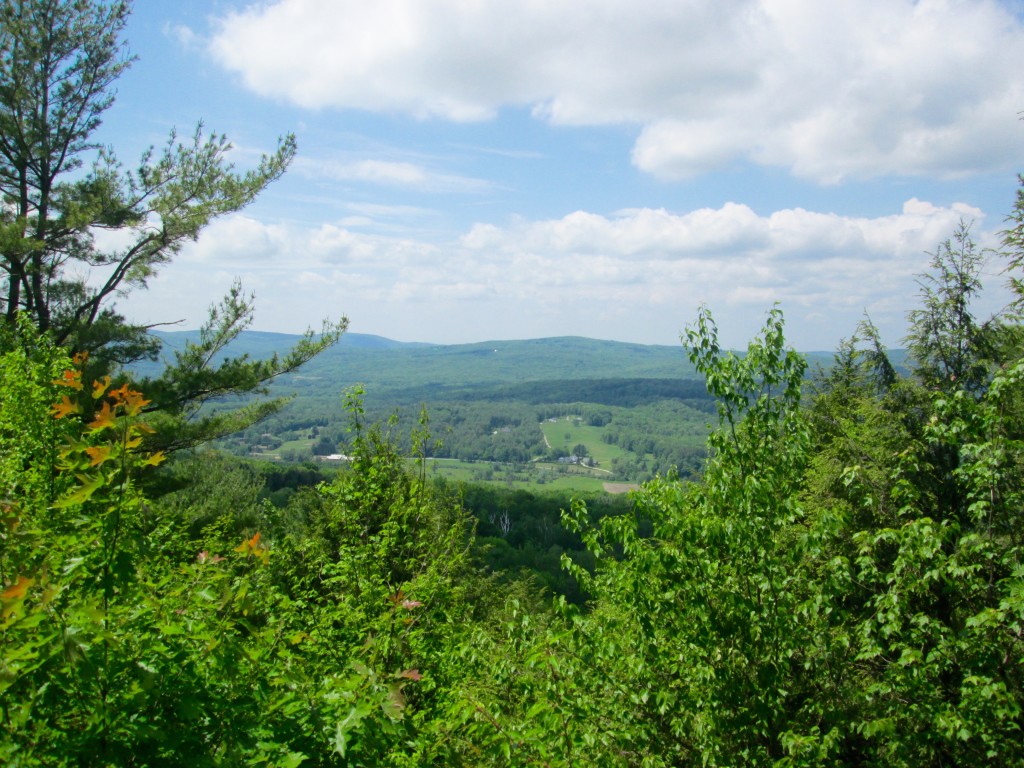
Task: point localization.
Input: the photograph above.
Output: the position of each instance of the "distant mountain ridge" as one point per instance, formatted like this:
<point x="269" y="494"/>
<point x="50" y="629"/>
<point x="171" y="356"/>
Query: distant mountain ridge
<point x="382" y="364"/>
<point x="280" y="341"/>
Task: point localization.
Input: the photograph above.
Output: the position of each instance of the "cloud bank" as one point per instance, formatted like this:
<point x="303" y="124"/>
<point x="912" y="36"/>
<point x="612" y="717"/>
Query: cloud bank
<point x="616" y="276"/>
<point x="828" y="91"/>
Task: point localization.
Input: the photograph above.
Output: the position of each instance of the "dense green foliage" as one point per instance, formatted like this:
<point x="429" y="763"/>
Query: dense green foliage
<point x="842" y="584"/>
<point x="842" y="587"/>
<point x="141" y="631"/>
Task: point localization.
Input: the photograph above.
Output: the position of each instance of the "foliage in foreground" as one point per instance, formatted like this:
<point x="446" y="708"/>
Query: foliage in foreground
<point x="844" y="585"/>
<point x="131" y="638"/>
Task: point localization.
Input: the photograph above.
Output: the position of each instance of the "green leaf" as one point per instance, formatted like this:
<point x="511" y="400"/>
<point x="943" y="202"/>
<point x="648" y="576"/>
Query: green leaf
<point x="89" y="484"/>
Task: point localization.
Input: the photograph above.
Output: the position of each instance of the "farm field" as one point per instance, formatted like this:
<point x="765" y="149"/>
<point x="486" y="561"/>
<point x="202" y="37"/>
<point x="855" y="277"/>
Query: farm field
<point x="567" y="432"/>
<point x="535" y="476"/>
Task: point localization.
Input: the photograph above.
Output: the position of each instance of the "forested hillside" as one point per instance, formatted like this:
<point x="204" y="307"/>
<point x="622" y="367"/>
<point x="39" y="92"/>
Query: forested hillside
<point x="488" y="404"/>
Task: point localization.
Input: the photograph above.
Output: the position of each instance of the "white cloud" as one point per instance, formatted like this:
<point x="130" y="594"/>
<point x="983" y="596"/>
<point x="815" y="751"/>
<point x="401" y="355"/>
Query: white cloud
<point x="636" y="275"/>
<point x="844" y="89"/>
<point x="239" y="239"/>
<point x="391" y="173"/>
<point x="184" y="35"/>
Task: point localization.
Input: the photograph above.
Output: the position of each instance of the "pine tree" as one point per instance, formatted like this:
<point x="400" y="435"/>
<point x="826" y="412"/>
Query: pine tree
<point x="59" y="61"/>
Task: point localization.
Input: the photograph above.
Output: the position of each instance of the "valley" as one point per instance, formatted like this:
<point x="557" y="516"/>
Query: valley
<point x="562" y="413"/>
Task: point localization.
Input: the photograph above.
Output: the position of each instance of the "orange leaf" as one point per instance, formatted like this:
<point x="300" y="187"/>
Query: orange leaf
<point x="79" y="358"/>
<point x="251" y="544"/>
<point x="98" y="454"/>
<point x="99" y="387"/>
<point x="120" y="394"/>
<point x="71" y="379"/>
<point x="19" y="589"/>
<point x="134" y="402"/>
<point x="14" y="595"/>
<point x="64" y="408"/>
<point x="104" y="419"/>
<point x="252" y="547"/>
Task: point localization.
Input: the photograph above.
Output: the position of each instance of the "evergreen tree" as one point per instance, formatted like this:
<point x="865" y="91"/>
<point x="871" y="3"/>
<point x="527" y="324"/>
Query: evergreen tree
<point x="59" y="61"/>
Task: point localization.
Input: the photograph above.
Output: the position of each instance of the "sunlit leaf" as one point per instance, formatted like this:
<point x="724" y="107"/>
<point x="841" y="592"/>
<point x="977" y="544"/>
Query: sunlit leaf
<point x="64" y="408"/>
<point x="252" y="547"/>
<point x="72" y="446"/>
<point x="119" y="395"/>
<point x="154" y="459"/>
<point x="104" y="419"/>
<point x="98" y="454"/>
<point x="134" y="402"/>
<point x="18" y="589"/>
<point x="14" y="595"/>
<point x="99" y="387"/>
<point x="90" y="484"/>
<point x="249" y="544"/>
<point x="70" y="378"/>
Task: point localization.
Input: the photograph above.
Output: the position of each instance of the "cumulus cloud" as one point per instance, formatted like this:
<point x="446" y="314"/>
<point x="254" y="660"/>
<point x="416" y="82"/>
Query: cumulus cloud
<point x="623" y="274"/>
<point x="829" y="91"/>
<point x="240" y="239"/>
<point x="719" y="236"/>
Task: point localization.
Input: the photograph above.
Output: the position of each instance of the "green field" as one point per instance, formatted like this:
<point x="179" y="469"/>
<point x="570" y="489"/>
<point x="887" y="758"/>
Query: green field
<point x="535" y="476"/>
<point x="569" y="431"/>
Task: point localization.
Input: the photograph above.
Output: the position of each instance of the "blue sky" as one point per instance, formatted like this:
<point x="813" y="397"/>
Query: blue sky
<point x="492" y="169"/>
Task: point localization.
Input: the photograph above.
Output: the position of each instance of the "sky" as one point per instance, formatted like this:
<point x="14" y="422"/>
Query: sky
<point x="474" y="170"/>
